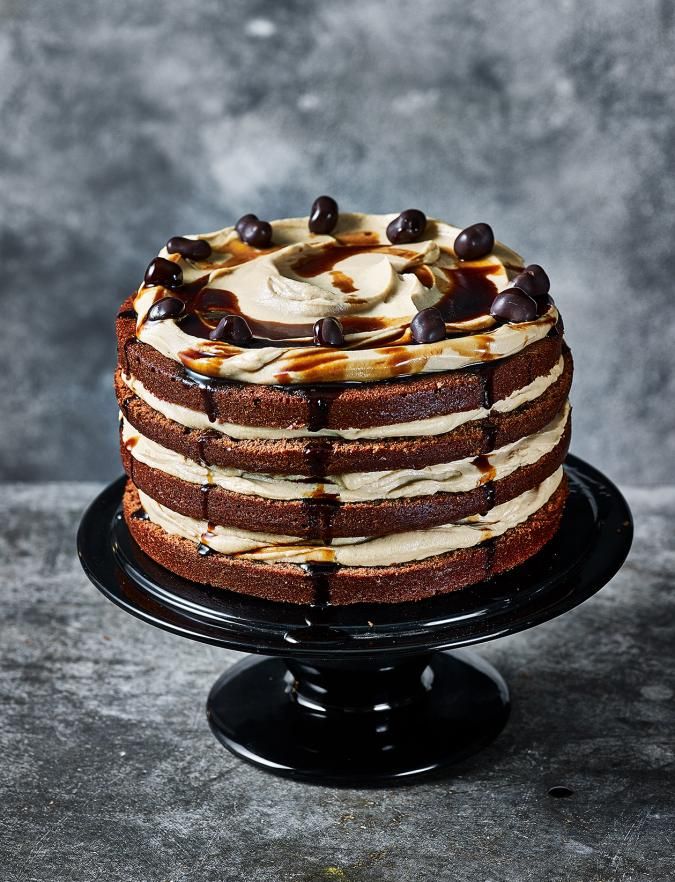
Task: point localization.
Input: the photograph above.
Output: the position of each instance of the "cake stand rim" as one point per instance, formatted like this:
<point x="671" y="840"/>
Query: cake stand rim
<point x="612" y="518"/>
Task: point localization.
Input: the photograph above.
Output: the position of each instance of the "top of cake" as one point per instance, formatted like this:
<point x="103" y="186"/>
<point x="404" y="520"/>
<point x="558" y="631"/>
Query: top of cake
<point x="340" y="297"/>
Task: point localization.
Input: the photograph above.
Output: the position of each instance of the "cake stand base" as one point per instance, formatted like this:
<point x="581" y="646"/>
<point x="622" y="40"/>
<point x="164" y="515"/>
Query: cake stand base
<point x="363" y="694"/>
<point x="361" y="722"/>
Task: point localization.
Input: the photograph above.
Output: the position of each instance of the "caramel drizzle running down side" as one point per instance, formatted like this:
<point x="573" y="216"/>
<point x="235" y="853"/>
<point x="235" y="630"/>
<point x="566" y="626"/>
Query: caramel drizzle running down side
<point x="482" y="462"/>
<point x="321" y="510"/>
<point x="319" y="576"/>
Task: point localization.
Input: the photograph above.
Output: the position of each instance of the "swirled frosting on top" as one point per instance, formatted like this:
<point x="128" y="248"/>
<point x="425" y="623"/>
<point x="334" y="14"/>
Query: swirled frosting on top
<point x="374" y="288"/>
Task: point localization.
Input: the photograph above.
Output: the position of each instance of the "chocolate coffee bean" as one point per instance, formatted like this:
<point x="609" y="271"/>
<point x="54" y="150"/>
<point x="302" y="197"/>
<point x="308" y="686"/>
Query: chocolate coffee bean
<point x="166" y="308"/>
<point x="257" y="233"/>
<point x="163" y="272"/>
<point x="526" y="282"/>
<point x="543" y="304"/>
<point x="324" y="215"/>
<point x="513" y="305"/>
<point x="232" y="329"/>
<point x="407" y="227"/>
<point x="541" y="280"/>
<point x="244" y="221"/>
<point x="192" y="249"/>
<point x="428" y="326"/>
<point x="474" y="242"/>
<point x="328" y="332"/>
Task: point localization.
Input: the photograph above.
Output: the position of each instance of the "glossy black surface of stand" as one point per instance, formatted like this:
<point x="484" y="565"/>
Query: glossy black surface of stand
<point x="360" y="723"/>
<point x="360" y="696"/>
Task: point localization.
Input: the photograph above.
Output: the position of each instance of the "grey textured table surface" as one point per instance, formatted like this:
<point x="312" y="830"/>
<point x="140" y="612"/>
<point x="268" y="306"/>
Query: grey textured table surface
<point x="109" y="770"/>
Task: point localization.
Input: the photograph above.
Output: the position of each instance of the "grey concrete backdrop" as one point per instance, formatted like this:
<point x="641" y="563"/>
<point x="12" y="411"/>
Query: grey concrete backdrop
<point x="124" y="123"/>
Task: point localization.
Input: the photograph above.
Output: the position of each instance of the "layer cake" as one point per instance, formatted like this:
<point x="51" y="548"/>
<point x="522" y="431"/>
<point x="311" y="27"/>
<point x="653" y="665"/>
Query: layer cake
<point x="342" y="408"/>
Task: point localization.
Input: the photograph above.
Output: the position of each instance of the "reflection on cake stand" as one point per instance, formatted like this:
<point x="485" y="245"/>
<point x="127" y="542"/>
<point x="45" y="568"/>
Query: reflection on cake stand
<point x="364" y="694"/>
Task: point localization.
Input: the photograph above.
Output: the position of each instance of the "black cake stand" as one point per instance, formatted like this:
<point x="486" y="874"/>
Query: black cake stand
<point x="363" y="694"/>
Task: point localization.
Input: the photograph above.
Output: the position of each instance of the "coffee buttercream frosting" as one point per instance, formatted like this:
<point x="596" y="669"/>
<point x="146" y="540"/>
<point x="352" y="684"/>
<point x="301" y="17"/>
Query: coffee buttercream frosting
<point x="372" y="287"/>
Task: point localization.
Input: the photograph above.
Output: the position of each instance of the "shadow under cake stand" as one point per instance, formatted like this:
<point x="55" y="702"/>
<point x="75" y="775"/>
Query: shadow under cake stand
<point x="363" y="694"/>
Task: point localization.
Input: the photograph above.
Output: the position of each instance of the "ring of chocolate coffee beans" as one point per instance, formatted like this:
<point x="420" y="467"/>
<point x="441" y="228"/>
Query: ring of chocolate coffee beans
<point x="253" y="231"/>
<point x="519" y="303"/>
<point x="232" y="329"/>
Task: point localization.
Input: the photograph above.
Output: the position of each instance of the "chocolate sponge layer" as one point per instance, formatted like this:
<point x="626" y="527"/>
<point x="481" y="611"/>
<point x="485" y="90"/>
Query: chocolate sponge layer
<point x="392" y="584"/>
<point x="355" y="405"/>
<point x="324" y="520"/>
<point x="320" y="456"/>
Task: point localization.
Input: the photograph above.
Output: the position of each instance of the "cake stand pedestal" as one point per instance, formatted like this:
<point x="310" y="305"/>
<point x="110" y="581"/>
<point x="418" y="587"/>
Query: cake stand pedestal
<point x="363" y="694"/>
